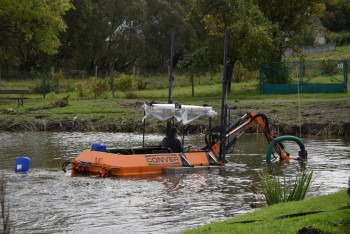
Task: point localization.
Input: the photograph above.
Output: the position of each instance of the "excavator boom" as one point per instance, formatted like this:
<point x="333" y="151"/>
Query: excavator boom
<point x="241" y="125"/>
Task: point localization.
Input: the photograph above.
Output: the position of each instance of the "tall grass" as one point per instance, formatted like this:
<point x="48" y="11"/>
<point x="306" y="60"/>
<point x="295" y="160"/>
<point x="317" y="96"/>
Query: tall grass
<point x="5" y="226"/>
<point x="276" y="191"/>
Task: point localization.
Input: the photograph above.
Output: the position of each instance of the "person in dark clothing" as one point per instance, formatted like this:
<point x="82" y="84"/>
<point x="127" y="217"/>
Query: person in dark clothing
<point x="171" y="141"/>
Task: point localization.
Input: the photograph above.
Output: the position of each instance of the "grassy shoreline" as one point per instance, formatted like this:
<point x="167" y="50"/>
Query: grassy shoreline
<point x="264" y="220"/>
<point x="319" y="115"/>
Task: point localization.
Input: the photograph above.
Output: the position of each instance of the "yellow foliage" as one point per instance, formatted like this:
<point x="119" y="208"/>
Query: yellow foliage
<point x="125" y="82"/>
<point x="213" y="25"/>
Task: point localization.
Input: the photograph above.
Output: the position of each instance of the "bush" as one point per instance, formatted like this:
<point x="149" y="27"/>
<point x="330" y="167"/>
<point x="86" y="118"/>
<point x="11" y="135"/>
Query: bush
<point x="43" y="85"/>
<point x="125" y="82"/>
<point x="240" y="73"/>
<point x="5" y="223"/>
<point x="340" y="38"/>
<point x="83" y="89"/>
<point x="57" y="81"/>
<point x="275" y="192"/>
<point x="275" y="73"/>
<point x="93" y="88"/>
<point x="63" y="102"/>
<point x="47" y="85"/>
<point x="70" y="87"/>
<point x="328" y="67"/>
<point x="141" y="85"/>
<point x="349" y="187"/>
<point x="100" y="88"/>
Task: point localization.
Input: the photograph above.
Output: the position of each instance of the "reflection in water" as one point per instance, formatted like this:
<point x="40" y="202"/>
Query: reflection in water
<point x="49" y="201"/>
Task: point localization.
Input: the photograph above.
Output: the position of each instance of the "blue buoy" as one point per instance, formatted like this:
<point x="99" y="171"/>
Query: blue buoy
<point x="22" y="164"/>
<point x="98" y="147"/>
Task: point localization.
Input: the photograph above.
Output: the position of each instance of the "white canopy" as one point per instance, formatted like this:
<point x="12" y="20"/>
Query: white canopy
<point x="183" y="113"/>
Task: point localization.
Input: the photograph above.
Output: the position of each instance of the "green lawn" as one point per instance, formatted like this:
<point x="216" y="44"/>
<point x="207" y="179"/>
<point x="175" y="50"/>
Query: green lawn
<point x="263" y="220"/>
<point x="340" y="53"/>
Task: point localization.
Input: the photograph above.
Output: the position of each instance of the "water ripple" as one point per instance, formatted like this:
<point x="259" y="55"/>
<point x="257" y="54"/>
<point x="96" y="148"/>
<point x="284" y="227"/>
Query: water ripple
<point x="49" y="201"/>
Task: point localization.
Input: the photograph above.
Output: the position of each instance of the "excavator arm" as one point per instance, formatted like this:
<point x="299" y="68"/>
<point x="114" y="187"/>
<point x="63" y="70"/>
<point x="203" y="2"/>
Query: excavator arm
<point x="241" y="125"/>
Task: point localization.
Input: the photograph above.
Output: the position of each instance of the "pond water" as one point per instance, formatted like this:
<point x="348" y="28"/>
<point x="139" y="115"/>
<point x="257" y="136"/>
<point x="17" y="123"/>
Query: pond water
<point x="47" y="200"/>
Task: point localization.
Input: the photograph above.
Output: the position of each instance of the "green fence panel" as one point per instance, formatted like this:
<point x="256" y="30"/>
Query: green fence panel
<point x="329" y="76"/>
<point x="278" y="88"/>
<point x="323" y="88"/>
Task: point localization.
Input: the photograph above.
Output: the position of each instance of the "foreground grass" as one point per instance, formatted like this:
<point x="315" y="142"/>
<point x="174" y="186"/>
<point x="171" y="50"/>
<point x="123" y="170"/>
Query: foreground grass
<point x="332" y="221"/>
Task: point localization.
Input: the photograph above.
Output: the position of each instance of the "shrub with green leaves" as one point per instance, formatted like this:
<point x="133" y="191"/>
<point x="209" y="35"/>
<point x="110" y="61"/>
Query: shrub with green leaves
<point x="58" y="81"/>
<point x="125" y="82"/>
<point x="83" y="89"/>
<point x="275" y="73"/>
<point x="241" y="73"/>
<point x="93" y="88"/>
<point x="328" y="67"/>
<point x="276" y="191"/>
<point x="340" y="38"/>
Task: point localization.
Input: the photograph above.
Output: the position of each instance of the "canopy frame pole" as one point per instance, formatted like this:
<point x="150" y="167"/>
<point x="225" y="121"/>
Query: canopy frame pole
<point x="210" y="132"/>
<point x="143" y="131"/>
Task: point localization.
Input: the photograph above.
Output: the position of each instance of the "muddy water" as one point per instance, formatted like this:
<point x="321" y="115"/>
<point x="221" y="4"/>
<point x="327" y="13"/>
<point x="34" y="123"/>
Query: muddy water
<point x="49" y="201"/>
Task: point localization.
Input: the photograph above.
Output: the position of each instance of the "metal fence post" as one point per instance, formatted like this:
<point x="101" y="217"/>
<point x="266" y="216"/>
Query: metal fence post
<point x="260" y="77"/>
<point x="44" y="84"/>
<point x="112" y="82"/>
<point x="346" y="75"/>
<point x="301" y="76"/>
<point x="53" y="79"/>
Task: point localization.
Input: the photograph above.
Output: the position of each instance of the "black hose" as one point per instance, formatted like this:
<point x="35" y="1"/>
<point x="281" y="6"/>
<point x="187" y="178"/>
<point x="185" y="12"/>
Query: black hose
<point x="64" y="165"/>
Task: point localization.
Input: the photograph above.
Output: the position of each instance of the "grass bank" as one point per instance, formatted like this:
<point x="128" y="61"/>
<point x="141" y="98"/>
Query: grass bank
<point x="264" y="220"/>
<point x="319" y="114"/>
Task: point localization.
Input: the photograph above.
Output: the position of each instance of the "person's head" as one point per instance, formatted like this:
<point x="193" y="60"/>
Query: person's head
<point x="172" y="132"/>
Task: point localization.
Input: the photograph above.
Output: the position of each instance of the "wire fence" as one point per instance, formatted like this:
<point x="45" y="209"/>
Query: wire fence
<point x="99" y="83"/>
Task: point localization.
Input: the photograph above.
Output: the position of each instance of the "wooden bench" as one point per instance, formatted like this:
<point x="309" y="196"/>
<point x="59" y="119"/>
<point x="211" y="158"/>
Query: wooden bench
<point x="20" y="98"/>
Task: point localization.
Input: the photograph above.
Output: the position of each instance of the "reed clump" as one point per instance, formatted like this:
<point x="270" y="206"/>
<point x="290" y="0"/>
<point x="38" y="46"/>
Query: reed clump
<point x="276" y="190"/>
<point x="5" y="223"/>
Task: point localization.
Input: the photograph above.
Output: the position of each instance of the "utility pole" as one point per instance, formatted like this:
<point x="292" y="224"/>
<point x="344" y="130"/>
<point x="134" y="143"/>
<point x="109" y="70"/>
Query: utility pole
<point x="171" y="77"/>
<point x="171" y="68"/>
<point x="222" y="153"/>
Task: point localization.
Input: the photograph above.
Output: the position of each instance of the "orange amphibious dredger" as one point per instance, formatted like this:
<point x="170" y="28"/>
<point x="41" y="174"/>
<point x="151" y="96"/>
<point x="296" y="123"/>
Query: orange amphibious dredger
<point x="151" y="160"/>
<point x="155" y="159"/>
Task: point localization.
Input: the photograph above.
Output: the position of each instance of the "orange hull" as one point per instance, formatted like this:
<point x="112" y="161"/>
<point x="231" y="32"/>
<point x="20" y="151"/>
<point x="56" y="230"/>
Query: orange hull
<point x="112" y="164"/>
